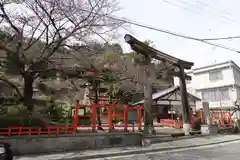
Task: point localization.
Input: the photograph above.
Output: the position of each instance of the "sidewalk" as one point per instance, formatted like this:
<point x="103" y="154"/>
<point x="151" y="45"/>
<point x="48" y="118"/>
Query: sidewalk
<point x="177" y="144"/>
<point x="159" y="129"/>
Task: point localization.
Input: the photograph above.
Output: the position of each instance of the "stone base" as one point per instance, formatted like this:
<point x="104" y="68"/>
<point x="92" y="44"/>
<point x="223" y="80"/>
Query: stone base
<point x="146" y="142"/>
<point x="187" y="128"/>
<point x="48" y="144"/>
<point x="209" y="129"/>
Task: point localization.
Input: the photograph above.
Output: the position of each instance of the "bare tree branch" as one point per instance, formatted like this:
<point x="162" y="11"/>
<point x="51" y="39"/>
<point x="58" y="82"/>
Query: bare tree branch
<point x="31" y="41"/>
<point x="12" y="85"/>
<point x="5" y="15"/>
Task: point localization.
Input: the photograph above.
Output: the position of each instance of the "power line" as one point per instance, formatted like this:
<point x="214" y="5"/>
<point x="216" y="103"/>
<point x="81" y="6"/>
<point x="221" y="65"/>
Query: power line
<point x="164" y="31"/>
<point x="177" y="5"/>
<point x="221" y="38"/>
<point x="210" y="6"/>
<point x="187" y="3"/>
<point x="200" y="9"/>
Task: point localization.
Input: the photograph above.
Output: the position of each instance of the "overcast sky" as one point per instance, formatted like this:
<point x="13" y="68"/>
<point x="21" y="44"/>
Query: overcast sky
<point x="196" y="18"/>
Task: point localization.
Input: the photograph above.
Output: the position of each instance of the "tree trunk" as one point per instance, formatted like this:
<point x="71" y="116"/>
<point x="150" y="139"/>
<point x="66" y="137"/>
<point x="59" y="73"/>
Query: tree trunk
<point x="96" y="101"/>
<point x="28" y="93"/>
<point x="111" y="102"/>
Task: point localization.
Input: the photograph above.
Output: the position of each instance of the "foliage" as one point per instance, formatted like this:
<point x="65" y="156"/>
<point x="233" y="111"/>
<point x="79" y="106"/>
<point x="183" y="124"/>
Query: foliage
<point x="58" y="112"/>
<point x="15" y="115"/>
<point x="7" y="121"/>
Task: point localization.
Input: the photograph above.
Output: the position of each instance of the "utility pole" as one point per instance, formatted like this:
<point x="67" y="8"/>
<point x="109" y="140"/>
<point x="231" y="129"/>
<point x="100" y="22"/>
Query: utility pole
<point x="185" y="104"/>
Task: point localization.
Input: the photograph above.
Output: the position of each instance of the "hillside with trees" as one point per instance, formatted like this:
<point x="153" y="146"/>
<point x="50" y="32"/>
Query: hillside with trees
<point x="47" y="52"/>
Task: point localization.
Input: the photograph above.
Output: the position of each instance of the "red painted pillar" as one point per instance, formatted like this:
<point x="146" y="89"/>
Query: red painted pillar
<point x="211" y="115"/>
<point x="191" y="118"/>
<point x="110" y="117"/>
<point x="94" y="116"/>
<point x="75" y="120"/>
<point x="139" y="113"/>
<point x="222" y="118"/>
<point x="201" y="116"/>
<point x="229" y="119"/>
<point x="125" y="118"/>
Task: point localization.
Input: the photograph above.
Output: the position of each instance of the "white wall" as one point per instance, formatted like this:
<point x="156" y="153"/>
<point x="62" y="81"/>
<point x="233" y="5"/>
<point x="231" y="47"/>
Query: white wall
<point x="238" y="92"/>
<point x="236" y="72"/>
<point x="233" y="94"/>
<point x="201" y="80"/>
<point x="236" y="76"/>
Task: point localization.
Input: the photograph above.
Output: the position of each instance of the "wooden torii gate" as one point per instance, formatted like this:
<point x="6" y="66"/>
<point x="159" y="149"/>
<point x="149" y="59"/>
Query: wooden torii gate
<point x="178" y="64"/>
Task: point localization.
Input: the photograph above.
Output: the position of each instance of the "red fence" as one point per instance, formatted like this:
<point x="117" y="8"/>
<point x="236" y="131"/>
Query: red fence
<point x="223" y="118"/>
<point x="37" y="130"/>
<point x="176" y="123"/>
<point x="110" y="115"/>
<point x="171" y="123"/>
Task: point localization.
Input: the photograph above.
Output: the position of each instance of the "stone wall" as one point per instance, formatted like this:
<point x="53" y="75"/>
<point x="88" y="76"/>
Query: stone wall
<point x="55" y="144"/>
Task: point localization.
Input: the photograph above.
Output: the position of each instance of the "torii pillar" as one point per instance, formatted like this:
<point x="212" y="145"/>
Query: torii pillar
<point x="185" y="104"/>
<point x="148" y="118"/>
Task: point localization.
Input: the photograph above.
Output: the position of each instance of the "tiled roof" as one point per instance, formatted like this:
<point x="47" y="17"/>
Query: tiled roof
<point x="162" y="93"/>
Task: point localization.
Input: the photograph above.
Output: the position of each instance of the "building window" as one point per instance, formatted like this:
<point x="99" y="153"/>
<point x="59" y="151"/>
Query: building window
<point x="224" y="93"/>
<point x="209" y="95"/>
<point x="221" y="94"/>
<point x="215" y="75"/>
<point x="238" y="93"/>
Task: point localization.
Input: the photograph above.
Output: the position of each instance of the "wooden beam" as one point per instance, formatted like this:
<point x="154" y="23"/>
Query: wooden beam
<point x="177" y="74"/>
<point x="146" y="50"/>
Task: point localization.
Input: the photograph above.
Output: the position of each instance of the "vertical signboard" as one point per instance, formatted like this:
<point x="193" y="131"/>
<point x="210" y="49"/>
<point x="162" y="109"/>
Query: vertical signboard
<point x="206" y="113"/>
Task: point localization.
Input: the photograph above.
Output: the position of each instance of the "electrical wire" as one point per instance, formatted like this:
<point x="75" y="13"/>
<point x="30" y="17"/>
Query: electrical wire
<point x="179" y="6"/>
<point x="209" y="6"/>
<point x="222" y="11"/>
<point x="221" y="38"/>
<point x="164" y="31"/>
<point x="224" y="17"/>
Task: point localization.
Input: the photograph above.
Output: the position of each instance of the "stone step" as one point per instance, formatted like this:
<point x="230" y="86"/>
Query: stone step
<point x="195" y="132"/>
<point x="226" y="130"/>
<point x="158" y="138"/>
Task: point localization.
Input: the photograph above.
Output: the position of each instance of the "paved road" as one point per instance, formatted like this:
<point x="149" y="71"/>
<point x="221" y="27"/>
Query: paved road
<point x="229" y="151"/>
<point x="214" y="147"/>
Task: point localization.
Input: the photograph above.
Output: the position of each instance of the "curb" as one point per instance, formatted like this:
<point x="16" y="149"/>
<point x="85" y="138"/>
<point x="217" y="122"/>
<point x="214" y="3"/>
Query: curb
<point x="170" y="138"/>
<point x="142" y="151"/>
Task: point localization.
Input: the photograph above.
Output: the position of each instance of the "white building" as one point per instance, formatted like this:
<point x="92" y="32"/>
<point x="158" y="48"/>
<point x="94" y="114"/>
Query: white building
<point x="218" y="84"/>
